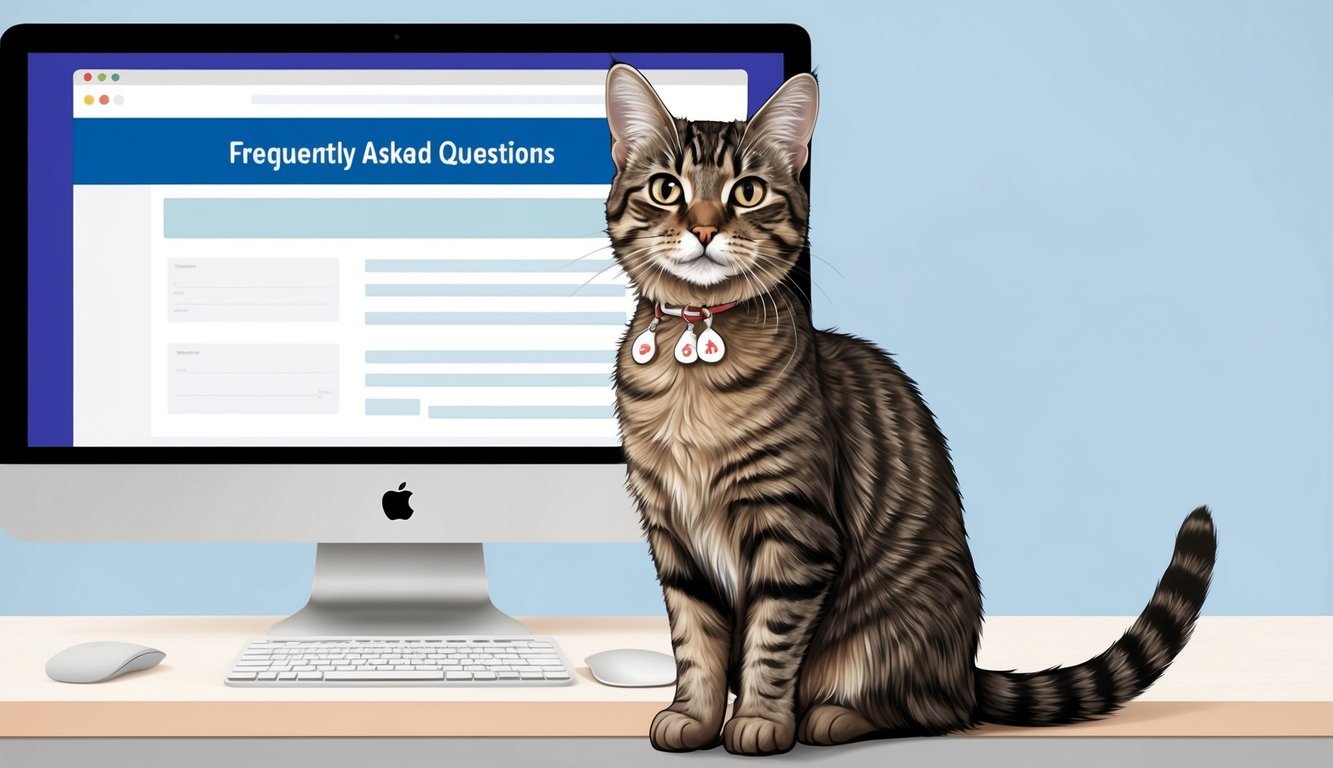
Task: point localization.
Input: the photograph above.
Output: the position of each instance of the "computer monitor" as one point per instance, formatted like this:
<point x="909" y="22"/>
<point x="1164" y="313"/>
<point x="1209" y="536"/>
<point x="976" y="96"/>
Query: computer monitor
<point x="332" y="283"/>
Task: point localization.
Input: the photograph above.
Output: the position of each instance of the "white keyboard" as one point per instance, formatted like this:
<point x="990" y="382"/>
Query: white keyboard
<point x="327" y="662"/>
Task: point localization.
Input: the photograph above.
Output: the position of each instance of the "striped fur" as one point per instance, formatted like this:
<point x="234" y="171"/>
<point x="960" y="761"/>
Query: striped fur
<point x="798" y="498"/>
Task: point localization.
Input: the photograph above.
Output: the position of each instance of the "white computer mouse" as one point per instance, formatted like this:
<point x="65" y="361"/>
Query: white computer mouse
<point x="101" y="661"/>
<point x="632" y="668"/>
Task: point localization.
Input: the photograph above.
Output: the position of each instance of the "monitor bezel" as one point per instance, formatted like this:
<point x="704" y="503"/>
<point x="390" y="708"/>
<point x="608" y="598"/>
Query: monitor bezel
<point x="789" y="40"/>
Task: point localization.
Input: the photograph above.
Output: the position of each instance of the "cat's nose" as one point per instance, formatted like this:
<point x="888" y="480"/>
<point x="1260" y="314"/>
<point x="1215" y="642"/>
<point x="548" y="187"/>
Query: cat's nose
<point x="703" y="219"/>
<point x="705" y="234"/>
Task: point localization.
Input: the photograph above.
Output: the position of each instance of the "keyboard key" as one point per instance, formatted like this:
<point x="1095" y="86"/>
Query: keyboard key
<point x="241" y="676"/>
<point x="458" y="675"/>
<point x="309" y="675"/>
<point x="386" y="676"/>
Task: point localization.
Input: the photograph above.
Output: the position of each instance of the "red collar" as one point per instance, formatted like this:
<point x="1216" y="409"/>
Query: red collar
<point x="690" y="313"/>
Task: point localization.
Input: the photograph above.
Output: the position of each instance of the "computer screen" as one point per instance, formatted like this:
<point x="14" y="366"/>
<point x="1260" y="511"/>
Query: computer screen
<point x="333" y="249"/>
<point x="345" y="284"/>
<point x="271" y="278"/>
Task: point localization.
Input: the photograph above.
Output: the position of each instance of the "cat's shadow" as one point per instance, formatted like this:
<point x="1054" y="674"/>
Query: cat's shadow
<point x="804" y="753"/>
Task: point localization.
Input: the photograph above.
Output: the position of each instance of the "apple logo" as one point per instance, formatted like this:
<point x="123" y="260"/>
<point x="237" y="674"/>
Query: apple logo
<point x="395" y="503"/>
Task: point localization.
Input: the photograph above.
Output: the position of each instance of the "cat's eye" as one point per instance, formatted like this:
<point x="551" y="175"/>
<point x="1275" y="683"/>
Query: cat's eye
<point x="748" y="192"/>
<point x="665" y="189"/>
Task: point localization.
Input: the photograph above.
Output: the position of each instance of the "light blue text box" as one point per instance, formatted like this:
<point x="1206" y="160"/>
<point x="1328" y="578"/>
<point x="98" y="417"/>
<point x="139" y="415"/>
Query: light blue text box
<point x="487" y="265"/>
<point x="488" y="379"/>
<point x="512" y="289"/>
<point x="278" y="217"/>
<point x="393" y="407"/>
<point x="495" y="318"/>
<point x="491" y="356"/>
<point x="520" y="412"/>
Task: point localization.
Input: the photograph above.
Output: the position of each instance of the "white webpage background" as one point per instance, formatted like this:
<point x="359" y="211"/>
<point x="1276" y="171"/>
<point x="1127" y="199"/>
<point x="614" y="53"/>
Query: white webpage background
<point x="119" y="402"/>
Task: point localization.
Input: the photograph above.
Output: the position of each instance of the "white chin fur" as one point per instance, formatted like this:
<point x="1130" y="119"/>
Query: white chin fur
<point x="700" y="272"/>
<point x="689" y="264"/>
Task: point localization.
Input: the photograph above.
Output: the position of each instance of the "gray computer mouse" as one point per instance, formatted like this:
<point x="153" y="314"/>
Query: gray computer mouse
<point x="632" y="668"/>
<point x="101" y="661"/>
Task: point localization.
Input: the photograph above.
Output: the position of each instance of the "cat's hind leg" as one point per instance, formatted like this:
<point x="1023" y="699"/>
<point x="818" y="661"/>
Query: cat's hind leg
<point x="830" y="683"/>
<point x="884" y="679"/>
<point x="828" y="724"/>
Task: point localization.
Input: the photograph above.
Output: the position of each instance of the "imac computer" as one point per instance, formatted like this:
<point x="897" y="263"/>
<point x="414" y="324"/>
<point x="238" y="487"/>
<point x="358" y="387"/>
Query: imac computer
<point x="329" y="283"/>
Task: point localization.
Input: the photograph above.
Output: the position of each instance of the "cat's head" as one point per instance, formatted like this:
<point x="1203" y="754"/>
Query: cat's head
<point x="705" y="213"/>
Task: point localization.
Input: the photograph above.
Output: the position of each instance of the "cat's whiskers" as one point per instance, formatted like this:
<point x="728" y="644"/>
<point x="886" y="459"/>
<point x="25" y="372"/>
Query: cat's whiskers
<point x="768" y="292"/>
<point x="614" y="265"/>
<point x="758" y="291"/>
<point x="791" y="316"/>
<point x="762" y="293"/>
<point x="776" y="276"/>
<point x="760" y="253"/>
<point x="813" y="255"/>
<point x="610" y="246"/>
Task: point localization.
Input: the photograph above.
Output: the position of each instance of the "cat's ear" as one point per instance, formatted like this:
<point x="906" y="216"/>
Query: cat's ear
<point x="636" y="114"/>
<point x="787" y="120"/>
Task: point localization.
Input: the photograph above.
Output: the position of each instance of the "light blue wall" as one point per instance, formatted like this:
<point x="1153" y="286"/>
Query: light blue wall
<point x="1099" y="234"/>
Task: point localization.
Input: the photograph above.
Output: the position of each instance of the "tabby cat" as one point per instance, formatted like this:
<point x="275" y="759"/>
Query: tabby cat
<point x="797" y="495"/>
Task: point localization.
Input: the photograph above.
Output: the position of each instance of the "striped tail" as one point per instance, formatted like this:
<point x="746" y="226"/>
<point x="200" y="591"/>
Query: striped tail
<point x="1104" y="683"/>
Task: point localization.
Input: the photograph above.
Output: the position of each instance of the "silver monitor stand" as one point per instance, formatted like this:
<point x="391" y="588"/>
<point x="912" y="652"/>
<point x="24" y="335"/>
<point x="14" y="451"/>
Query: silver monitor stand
<point x="399" y="589"/>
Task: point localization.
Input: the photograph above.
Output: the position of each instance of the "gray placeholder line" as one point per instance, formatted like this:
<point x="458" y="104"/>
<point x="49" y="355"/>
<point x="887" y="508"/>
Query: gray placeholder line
<point x="393" y="407"/>
<point x="525" y="266"/>
<point x="424" y="98"/>
<point x="491" y="356"/>
<point x="383" y="217"/>
<point x="600" y="380"/>
<point x="519" y="412"/>
<point x="504" y="290"/>
<point x="495" y="318"/>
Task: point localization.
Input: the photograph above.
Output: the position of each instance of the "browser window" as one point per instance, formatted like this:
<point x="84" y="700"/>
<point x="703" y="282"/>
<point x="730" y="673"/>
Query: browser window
<point x="350" y="256"/>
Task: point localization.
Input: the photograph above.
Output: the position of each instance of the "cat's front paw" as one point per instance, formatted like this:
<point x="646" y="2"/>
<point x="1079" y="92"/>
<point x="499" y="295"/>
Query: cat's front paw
<point x="758" y="736"/>
<point x="674" y="731"/>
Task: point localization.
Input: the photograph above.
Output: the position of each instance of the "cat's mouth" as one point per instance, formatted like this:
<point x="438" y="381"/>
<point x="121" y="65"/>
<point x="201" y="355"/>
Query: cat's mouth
<point x="702" y="256"/>
<point x="703" y="269"/>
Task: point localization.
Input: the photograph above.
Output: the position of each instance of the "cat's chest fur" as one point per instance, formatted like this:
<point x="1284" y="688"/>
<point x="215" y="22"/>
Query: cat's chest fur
<point x="683" y="440"/>
<point x="684" y="423"/>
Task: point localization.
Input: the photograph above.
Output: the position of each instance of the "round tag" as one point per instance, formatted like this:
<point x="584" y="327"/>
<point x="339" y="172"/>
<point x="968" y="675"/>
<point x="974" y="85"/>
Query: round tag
<point x="645" y="346"/>
<point x="711" y="346"/>
<point x="687" y="349"/>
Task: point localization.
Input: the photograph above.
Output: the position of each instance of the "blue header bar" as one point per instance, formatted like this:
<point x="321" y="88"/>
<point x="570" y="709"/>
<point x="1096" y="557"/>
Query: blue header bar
<point x="342" y="151"/>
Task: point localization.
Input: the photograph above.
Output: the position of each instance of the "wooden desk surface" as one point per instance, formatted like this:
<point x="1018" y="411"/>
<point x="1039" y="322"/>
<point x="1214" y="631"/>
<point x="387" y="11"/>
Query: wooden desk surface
<point x="1239" y="676"/>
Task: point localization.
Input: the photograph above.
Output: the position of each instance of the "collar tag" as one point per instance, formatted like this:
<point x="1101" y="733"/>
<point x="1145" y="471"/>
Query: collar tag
<point x="687" y="349"/>
<point x="711" y="345"/>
